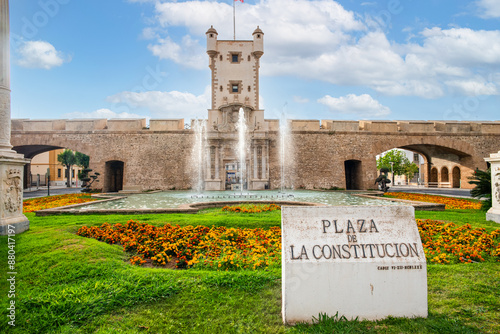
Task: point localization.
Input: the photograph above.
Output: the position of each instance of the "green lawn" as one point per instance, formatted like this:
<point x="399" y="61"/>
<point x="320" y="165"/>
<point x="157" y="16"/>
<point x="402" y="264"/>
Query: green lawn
<point x="70" y="284"/>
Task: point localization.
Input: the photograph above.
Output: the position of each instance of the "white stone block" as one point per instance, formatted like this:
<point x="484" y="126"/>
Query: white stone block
<point x="364" y="262"/>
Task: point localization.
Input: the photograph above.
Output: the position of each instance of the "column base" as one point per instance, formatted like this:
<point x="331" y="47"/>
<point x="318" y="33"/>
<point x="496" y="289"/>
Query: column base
<point x="493" y="215"/>
<point x="14" y="225"/>
<point x="12" y="220"/>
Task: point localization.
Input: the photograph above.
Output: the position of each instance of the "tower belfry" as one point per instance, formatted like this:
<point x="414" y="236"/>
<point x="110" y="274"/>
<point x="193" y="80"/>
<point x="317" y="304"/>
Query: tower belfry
<point x="235" y="68"/>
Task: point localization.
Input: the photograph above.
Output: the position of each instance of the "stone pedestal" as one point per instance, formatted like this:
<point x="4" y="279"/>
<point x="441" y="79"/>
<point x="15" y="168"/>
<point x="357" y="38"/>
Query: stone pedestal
<point x="494" y="213"/>
<point x="11" y="194"/>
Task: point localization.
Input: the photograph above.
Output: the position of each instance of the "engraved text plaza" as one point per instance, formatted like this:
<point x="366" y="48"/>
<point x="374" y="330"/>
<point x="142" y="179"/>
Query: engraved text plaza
<point x="352" y="249"/>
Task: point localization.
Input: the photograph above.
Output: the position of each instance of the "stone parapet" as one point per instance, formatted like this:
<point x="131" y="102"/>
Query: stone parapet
<point x="44" y="125"/>
<point x="125" y="124"/>
<point x="415" y="126"/>
<point x="305" y="125"/>
<point x="490" y="127"/>
<point x="452" y="127"/>
<point x="86" y="124"/>
<point x="379" y="126"/>
<point x="339" y="125"/>
<point x="166" y="124"/>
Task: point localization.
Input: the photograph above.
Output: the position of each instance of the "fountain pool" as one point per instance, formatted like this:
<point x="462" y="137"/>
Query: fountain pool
<point x="172" y="199"/>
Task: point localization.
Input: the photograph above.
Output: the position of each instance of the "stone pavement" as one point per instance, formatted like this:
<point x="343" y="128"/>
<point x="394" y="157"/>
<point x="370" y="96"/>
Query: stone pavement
<point x="453" y="192"/>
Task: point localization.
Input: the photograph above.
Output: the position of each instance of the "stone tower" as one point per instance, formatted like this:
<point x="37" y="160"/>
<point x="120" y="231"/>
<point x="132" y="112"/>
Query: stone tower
<point x="235" y="84"/>
<point x="235" y="77"/>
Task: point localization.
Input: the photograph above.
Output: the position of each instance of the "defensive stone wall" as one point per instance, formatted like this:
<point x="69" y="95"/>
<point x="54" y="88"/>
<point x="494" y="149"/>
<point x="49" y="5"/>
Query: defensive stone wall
<point x="325" y="151"/>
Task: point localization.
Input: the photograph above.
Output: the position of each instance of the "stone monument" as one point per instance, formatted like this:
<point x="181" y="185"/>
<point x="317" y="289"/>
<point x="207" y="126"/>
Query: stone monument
<point x="364" y="262"/>
<point x="493" y="214"/>
<point x="11" y="163"/>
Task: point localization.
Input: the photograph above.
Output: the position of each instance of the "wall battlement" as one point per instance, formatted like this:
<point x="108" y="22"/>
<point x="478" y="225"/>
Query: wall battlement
<point x="124" y="125"/>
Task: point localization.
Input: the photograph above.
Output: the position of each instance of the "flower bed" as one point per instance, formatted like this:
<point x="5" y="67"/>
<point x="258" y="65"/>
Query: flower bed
<point x="41" y="203"/>
<point x="449" y="243"/>
<point x="218" y="248"/>
<point x="450" y="202"/>
<point x="251" y="208"/>
<point x="221" y="248"/>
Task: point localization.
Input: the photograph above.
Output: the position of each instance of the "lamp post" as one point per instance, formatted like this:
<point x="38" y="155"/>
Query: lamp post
<point x="392" y="172"/>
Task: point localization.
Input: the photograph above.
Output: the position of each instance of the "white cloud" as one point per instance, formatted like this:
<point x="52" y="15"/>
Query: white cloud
<point x="101" y="113"/>
<point x="489" y="8"/>
<point x="188" y="53"/>
<point x="473" y="87"/>
<point x="172" y="104"/>
<point x="362" y="106"/>
<point x="40" y="54"/>
<point x="460" y="47"/>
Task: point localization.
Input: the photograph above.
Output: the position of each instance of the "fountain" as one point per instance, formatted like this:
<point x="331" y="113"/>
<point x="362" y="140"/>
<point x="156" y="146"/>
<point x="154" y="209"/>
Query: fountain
<point x="242" y="131"/>
<point x="200" y="139"/>
<point x="286" y="152"/>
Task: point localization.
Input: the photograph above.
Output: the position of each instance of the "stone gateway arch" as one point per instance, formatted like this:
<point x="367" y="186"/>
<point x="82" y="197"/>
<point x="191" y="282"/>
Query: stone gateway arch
<point x="326" y="154"/>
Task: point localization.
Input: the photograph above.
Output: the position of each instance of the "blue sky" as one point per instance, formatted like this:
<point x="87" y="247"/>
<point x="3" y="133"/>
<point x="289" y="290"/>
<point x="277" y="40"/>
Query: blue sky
<point x="393" y="59"/>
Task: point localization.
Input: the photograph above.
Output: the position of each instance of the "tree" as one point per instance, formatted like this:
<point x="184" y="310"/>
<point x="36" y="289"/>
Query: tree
<point x="482" y="180"/>
<point x="83" y="161"/>
<point x="410" y="169"/>
<point x="401" y="164"/>
<point x="67" y="159"/>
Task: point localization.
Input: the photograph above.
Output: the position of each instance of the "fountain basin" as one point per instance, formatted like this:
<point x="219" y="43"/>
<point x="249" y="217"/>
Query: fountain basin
<point x="191" y="202"/>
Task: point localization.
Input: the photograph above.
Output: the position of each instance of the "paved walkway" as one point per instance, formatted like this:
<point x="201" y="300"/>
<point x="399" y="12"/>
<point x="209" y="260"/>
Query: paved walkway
<point x="42" y="191"/>
<point x="454" y="192"/>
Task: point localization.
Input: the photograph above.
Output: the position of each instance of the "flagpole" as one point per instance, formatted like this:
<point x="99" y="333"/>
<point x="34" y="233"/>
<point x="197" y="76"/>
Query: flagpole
<point x="234" y="20"/>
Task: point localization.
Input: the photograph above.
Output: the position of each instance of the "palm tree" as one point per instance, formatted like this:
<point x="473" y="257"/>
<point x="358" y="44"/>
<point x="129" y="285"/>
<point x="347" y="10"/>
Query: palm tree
<point x="482" y="181"/>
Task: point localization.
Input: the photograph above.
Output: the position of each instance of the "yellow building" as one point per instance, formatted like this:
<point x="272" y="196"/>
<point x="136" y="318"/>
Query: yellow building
<point x="45" y="164"/>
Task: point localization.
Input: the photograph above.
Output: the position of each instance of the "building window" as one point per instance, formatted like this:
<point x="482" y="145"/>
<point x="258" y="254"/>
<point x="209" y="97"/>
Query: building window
<point x="220" y="57"/>
<point x="72" y="173"/>
<point x="249" y="58"/>
<point x="66" y="173"/>
<point x="234" y="58"/>
<point x="211" y="35"/>
<point x="249" y="89"/>
<point x="258" y="35"/>
<point x="59" y="172"/>
<point x="415" y="157"/>
<point x="235" y="87"/>
<point x="221" y="88"/>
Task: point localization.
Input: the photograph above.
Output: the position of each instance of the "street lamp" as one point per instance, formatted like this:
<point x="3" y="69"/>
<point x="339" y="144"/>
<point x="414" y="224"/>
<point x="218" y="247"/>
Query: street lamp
<point x="392" y="172"/>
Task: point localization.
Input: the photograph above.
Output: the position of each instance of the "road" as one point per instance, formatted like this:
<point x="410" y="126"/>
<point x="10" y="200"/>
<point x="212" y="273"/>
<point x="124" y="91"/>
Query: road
<point x="433" y="191"/>
<point x="42" y="191"/>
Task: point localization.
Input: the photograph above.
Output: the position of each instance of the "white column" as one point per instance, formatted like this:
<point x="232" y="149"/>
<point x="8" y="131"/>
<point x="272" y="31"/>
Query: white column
<point x="216" y="162"/>
<point x="4" y="76"/>
<point x="255" y="163"/>
<point x="264" y="161"/>
<point x="12" y="220"/>
<point x="494" y="213"/>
